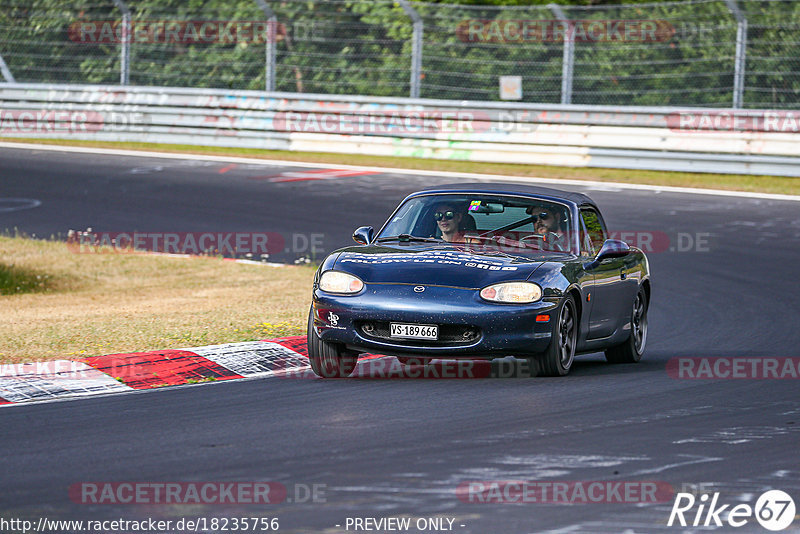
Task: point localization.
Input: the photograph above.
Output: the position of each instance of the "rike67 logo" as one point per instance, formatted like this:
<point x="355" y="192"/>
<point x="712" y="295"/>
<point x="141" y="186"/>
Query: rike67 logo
<point x="774" y="510"/>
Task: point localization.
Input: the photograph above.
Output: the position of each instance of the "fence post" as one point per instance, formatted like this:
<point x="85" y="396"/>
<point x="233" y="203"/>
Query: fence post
<point x="5" y="72"/>
<point x="416" y="47"/>
<point x="568" y="59"/>
<point x="125" y="51"/>
<point x="741" y="53"/>
<point x="271" y="49"/>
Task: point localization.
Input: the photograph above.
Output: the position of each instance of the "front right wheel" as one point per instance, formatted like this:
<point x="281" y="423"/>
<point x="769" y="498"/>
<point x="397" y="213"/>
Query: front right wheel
<point x="631" y="351"/>
<point x="557" y="360"/>
<point x="328" y="360"/>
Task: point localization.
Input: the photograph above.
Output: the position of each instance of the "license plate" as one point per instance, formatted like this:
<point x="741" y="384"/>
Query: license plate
<point x="414" y="331"/>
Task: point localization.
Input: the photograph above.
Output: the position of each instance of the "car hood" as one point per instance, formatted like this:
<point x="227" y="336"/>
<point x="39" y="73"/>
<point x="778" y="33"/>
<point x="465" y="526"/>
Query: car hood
<point x="434" y="264"/>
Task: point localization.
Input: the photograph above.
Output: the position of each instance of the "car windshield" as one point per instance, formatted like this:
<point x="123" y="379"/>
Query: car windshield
<point x="510" y="223"/>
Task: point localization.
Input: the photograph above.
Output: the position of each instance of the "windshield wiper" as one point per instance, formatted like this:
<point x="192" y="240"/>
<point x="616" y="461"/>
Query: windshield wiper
<point x="405" y="238"/>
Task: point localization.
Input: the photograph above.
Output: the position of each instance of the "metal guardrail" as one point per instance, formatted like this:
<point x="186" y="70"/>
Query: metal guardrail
<point x="546" y="134"/>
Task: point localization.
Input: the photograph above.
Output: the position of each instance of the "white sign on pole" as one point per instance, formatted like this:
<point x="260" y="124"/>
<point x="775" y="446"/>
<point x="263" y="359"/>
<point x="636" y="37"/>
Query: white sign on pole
<point x="511" y="87"/>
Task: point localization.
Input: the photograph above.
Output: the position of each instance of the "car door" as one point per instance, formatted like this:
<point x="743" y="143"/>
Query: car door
<point x="586" y="281"/>
<point x="607" y="287"/>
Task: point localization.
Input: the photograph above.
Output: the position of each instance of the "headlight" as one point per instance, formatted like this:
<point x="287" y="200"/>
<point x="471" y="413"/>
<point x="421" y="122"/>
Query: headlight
<point x="514" y="292"/>
<point x="339" y="282"/>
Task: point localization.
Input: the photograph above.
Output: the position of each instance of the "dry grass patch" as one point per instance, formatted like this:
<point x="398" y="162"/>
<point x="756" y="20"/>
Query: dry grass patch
<point x="94" y="304"/>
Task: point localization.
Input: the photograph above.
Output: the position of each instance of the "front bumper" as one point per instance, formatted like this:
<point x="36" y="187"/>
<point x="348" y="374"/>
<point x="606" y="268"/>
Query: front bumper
<point x="498" y="329"/>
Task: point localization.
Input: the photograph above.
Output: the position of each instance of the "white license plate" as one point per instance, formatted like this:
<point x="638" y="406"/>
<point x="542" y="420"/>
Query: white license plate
<point x="414" y="331"/>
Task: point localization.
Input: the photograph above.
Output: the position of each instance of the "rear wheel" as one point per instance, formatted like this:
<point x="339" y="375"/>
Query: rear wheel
<point x="557" y="360"/>
<point x="631" y="351"/>
<point x="328" y="360"/>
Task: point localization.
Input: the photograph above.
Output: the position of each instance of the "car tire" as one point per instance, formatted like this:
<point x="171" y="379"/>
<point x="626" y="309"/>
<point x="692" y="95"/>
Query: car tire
<point x="328" y="360"/>
<point x="557" y="360"/>
<point x="631" y="351"/>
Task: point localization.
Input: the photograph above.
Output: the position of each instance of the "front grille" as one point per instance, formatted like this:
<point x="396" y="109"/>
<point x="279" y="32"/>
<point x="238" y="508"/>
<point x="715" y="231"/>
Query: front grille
<point x="449" y="334"/>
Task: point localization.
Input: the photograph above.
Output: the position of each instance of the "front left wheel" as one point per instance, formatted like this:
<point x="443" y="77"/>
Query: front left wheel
<point x="328" y="360"/>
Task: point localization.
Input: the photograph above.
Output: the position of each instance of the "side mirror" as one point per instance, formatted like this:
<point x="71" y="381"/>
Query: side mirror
<point x="363" y="235"/>
<point x="612" y="248"/>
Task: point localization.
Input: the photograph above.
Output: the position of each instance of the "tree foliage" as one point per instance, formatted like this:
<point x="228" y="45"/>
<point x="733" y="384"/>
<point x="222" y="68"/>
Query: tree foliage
<point x="364" y="47"/>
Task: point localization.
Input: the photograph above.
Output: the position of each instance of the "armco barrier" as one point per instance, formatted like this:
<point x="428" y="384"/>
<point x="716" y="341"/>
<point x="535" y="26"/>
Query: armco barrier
<point x="545" y="134"/>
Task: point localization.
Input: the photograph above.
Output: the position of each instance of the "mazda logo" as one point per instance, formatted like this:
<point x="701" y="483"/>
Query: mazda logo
<point x="419" y="289"/>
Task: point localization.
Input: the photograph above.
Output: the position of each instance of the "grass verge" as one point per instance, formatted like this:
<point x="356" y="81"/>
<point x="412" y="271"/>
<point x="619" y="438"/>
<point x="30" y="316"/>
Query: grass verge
<point x="16" y="280"/>
<point x="94" y="304"/>
<point x="732" y="182"/>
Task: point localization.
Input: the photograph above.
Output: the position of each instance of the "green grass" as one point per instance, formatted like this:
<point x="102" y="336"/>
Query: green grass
<point x="16" y="280"/>
<point x="733" y="182"/>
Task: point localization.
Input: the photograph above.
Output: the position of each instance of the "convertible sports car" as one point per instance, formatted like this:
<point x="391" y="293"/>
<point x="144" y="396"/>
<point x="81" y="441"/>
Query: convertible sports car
<point x="482" y="271"/>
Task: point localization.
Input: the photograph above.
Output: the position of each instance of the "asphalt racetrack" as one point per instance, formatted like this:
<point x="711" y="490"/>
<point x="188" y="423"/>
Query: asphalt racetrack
<point x="724" y="285"/>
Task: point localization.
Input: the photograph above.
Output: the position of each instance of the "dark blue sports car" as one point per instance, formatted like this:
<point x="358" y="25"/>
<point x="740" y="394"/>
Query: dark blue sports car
<point x="482" y="271"/>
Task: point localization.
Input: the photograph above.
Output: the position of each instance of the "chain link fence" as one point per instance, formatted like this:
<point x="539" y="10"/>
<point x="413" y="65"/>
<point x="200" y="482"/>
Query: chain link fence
<point x="720" y="53"/>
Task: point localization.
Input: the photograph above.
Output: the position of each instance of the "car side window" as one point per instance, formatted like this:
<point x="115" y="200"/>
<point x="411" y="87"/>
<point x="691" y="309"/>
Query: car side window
<point x="593" y="232"/>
